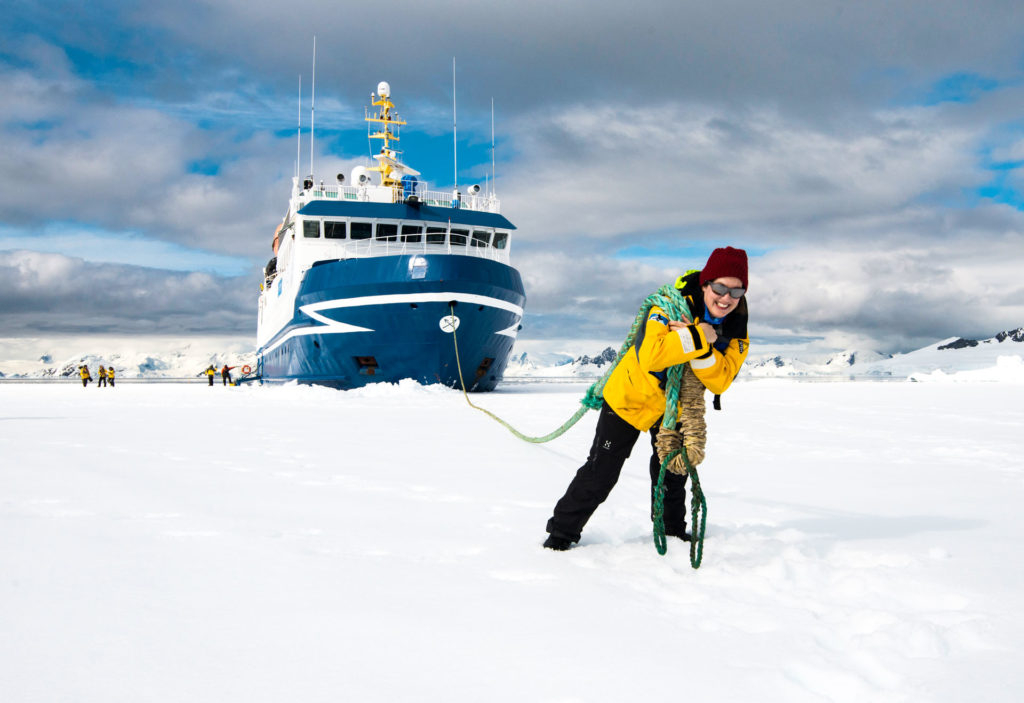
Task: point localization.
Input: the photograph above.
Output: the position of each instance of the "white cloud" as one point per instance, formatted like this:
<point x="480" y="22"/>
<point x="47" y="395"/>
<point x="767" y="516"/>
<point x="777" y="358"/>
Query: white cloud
<point x="900" y="296"/>
<point x="607" y="170"/>
<point x="644" y="127"/>
<point x="55" y="294"/>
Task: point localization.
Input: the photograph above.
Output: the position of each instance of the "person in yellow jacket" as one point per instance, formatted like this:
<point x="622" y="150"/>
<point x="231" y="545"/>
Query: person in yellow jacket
<point x="101" y="377"/>
<point x="210" y="373"/>
<point x="110" y="376"/>
<point x="83" y="372"/>
<point x="714" y="343"/>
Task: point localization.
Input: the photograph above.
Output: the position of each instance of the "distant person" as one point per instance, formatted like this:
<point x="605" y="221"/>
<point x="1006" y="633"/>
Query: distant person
<point x="210" y="373"/>
<point x="715" y="344"/>
<point x="110" y="376"/>
<point x="225" y="374"/>
<point x="101" y="377"/>
<point x="83" y="371"/>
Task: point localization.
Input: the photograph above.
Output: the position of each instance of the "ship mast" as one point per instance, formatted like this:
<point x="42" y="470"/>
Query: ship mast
<point x="388" y="165"/>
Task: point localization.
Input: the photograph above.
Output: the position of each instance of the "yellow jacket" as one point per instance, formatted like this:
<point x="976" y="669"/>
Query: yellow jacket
<point x="84" y="372"/>
<point x="110" y="372"/>
<point x="635" y="390"/>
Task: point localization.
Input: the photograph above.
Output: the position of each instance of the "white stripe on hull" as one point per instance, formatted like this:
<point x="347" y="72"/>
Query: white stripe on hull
<point x="414" y="298"/>
<point x="330" y="326"/>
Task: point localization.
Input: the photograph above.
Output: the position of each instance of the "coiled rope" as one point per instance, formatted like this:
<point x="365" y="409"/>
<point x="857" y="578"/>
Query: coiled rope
<point x="682" y="390"/>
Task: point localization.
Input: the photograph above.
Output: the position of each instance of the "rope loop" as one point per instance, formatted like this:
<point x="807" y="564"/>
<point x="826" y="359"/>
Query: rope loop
<point x="698" y="510"/>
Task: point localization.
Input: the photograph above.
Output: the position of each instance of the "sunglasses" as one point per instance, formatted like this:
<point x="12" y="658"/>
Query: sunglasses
<point x="720" y="289"/>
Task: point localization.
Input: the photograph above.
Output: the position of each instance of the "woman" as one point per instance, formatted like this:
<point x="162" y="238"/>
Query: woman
<point x="715" y="344"/>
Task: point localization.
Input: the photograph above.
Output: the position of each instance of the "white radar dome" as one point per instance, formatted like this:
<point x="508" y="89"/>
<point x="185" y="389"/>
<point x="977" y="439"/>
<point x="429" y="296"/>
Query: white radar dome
<point x="383" y="89"/>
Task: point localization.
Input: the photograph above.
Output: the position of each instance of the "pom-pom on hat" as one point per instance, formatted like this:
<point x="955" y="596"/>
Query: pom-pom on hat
<point x="725" y="261"/>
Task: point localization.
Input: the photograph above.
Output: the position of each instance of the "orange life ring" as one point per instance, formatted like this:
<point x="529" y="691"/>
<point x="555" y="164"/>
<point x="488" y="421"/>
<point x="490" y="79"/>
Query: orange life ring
<point x="247" y="369"/>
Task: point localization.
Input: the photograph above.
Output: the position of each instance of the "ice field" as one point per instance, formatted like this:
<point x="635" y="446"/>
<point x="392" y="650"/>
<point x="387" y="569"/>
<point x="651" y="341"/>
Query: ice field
<point x="179" y="543"/>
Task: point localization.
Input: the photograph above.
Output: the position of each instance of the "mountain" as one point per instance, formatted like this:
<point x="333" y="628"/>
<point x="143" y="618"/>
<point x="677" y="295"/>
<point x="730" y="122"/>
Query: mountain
<point x="949" y="356"/>
<point x="561" y="365"/>
<point x="184" y="361"/>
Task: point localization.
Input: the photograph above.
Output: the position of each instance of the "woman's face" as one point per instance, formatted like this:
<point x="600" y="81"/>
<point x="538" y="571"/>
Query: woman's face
<point x="721" y="305"/>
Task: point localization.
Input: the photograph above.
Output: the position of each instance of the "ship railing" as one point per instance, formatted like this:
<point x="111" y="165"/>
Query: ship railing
<point x="377" y="194"/>
<point x="376" y="247"/>
<point x="477" y="203"/>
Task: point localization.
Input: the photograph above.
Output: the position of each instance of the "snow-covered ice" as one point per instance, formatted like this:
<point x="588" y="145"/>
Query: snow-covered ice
<point x="183" y="543"/>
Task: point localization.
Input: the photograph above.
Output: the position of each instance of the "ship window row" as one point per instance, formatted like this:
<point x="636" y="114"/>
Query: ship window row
<point x="413" y="234"/>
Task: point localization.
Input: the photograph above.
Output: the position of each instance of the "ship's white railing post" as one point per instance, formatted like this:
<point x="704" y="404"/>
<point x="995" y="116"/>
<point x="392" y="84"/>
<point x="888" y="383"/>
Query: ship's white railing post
<point x="434" y="198"/>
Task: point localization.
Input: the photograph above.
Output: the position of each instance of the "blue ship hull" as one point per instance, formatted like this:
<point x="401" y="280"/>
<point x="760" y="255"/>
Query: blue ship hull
<point x="368" y="320"/>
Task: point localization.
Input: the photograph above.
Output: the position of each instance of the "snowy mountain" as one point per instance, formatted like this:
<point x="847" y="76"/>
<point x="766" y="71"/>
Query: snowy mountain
<point x="184" y="361"/>
<point x="948" y="356"/>
<point x="561" y="365"/>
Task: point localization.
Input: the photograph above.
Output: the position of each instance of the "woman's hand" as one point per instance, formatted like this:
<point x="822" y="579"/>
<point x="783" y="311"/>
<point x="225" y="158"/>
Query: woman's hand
<point x="677" y="324"/>
<point x="709" y="332"/>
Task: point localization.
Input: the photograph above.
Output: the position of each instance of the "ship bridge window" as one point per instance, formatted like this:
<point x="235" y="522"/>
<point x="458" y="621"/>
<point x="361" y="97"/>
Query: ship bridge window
<point x="334" y="230"/>
<point x="361" y="230"/>
<point x="481" y="238"/>
<point x="412" y="233"/>
<point x="436" y="235"/>
<point x="311" y="228"/>
<point x="500" y="240"/>
<point x="458" y="237"/>
<point x="387" y="233"/>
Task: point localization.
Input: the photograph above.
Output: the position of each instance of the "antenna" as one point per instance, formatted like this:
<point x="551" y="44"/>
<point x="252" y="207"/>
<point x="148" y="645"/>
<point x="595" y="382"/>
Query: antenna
<point x="455" y="129"/>
<point x="312" y="110"/>
<point x="298" y="133"/>
<point x="492" y="146"/>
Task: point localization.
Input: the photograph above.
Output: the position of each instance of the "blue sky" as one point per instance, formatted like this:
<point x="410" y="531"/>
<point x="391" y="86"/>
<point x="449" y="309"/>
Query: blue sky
<point x="868" y="153"/>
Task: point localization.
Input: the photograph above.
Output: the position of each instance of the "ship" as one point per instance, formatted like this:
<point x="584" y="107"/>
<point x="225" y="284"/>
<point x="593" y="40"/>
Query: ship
<point x="378" y="278"/>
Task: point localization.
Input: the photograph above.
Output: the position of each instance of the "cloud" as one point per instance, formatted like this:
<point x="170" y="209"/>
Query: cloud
<point x="899" y="296"/>
<point x="865" y="144"/>
<point x="930" y="277"/>
<point x="51" y="293"/>
<point x="73" y="155"/>
<point x="610" y="170"/>
<point x="808" y="56"/>
<point x="587" y="296"/>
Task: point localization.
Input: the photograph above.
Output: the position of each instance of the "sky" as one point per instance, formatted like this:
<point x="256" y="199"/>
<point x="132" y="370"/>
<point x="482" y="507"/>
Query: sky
<point x="868" y="156"/>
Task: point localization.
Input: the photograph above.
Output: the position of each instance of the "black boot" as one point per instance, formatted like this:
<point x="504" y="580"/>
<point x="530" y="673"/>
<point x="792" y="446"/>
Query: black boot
<point x="559" y="544"/>
<point x="679" y="532"/>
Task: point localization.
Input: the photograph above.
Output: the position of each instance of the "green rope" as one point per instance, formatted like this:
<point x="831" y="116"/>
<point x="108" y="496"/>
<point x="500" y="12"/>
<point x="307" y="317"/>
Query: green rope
<point x="698" y="511"/>
<point x="669" y="299"/>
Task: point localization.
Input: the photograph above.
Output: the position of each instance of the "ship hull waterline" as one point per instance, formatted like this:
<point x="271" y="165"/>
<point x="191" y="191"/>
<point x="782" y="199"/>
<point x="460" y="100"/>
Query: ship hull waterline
<point x="385" y="319"/>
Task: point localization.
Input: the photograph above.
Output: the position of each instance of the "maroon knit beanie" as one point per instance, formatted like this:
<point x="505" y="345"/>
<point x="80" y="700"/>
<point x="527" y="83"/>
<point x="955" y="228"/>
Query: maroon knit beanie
<point x="725" y="262"/>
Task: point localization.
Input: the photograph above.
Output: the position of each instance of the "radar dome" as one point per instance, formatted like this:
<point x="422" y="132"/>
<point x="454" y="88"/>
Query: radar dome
<point x="361" y="177"/>
<point x="383" y="89"/>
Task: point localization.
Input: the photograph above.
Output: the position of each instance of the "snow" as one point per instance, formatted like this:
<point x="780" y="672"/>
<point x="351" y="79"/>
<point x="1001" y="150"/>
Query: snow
<point x="1008" y="369"/>
<point x="169" y="358"/>
<point x="174" y="542"/>
<point x="949" y="356"/>
<point x="149" y="357"/>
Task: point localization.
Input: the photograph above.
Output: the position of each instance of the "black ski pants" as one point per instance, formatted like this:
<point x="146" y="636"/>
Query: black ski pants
<point x="613" y="443"/>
